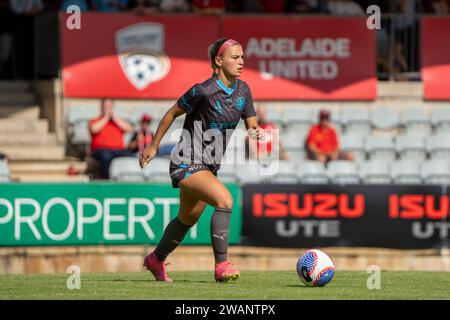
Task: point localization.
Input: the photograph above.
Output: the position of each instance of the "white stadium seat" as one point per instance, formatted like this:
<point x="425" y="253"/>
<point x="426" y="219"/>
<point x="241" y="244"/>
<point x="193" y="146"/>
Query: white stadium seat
<point x="126" y="169"/>
<point x="436" y="172"/>
<point x="157" y="170"/>
<point x="343" y="172"/>
<point x="381" y="148"/>
<point x="357" y="120"/>
<point x="406" y="172"/>
<point x="375" y="172"/>
<point x="410" y="147"/>
<point x="416" y="120"/>
<point x="355" y="144"/>
<point x="438" y="146"/>
<point x="383" y="118"/>
<point x="311" y="172"/>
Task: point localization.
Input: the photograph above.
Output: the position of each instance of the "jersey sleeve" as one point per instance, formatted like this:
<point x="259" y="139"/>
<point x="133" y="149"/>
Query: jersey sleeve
<point x="189" y="101"/>
<point x="249" y="108"/>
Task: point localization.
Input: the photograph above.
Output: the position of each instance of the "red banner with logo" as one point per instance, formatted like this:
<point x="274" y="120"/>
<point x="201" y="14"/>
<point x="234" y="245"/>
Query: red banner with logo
<point x="160" y="57"/>
<point x="132" y="56"/>
<point x="289" y="58"/>
<point x="436" y="58"/>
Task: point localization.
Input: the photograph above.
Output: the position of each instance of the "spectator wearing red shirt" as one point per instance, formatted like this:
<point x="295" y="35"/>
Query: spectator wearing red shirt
<point x="322" y="142"/>
<point x="142" y="138"/>
<point x="107" y="133"/>
<point x="265" y="148"/>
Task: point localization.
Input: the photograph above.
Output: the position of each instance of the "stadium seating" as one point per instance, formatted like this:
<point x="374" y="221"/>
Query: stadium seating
<point x="157" y="170"/>
<point x="353" y="143"/>
<point x="356" y="120"/>
<point x="284" y="172"/>
<point x="275" y="115"/>
<point x="406" y="172"/>
<point x="298" y="119"/>
<point x="343" y="172"/>
<point x="383" y="118"/>
<point x="126" y="169"/>
<point x="407" y="147"/>
<point x="374" y="172"/>
<point x="249" y="173"/>
<point x="440" y="118"/>
<point x="410" y="146"/>
<point x="436" y="172"/>
<point x="78" y="118"/>
<point x="5" y="175"/>
<point x="438" y="146"/>
<point x="294" y="143"/>
<point x="416" y="120"/>
<point x="311" y="172"/>
<point x="227" y="173"/>
<point x="380" y="148"/>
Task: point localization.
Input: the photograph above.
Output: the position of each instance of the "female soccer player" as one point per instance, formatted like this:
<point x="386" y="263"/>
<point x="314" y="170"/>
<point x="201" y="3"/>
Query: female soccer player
<point x="218" y="103"/>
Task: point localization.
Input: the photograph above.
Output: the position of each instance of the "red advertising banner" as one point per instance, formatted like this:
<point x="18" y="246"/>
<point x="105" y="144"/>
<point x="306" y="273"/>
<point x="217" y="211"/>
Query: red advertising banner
<point x="291" y="58"/>
<point x="131" y="56"/>
<point x="160" y="57"/>
<point x="436" y="58"/>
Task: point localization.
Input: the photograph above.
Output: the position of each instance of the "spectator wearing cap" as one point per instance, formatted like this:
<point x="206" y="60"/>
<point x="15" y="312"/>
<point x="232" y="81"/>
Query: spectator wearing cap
<point x="107" y="133"/>
<point x="143" y="137"/>
<point x="322" y="142"/>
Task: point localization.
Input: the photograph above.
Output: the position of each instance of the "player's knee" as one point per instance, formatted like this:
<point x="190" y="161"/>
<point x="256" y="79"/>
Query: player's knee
<point x="225" y="201"/>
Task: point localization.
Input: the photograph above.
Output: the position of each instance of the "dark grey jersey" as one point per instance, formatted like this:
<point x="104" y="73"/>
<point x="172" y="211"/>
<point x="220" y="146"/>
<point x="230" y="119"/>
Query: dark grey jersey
<point x="212" y="113"/>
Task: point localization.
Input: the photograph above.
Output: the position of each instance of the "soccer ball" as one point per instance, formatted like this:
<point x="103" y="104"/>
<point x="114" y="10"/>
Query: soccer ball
<point x="315" y="268"/>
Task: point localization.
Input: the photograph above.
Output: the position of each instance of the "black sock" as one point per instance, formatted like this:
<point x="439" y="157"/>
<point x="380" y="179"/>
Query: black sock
<point x="220" y="229"/>
<point x="172" y="237"/>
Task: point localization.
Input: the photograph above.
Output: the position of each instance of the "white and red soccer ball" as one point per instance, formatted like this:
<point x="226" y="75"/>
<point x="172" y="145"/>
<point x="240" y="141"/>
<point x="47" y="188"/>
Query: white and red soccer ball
<point x="315" y="268"/>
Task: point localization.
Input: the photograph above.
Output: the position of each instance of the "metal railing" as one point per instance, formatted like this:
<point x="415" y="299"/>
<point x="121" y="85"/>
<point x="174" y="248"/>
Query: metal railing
<point x="398" y="47"/>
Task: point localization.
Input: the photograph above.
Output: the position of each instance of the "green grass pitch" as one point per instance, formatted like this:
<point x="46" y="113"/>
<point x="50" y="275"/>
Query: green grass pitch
<point x="251" y="285"/>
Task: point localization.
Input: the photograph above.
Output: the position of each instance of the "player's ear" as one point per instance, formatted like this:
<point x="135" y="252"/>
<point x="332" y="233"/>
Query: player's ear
<point x="218" y="61"/>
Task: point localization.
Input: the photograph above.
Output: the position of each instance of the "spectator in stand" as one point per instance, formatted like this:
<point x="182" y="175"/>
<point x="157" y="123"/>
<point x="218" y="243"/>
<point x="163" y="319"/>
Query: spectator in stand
<point x="110" y="5"/>
<point x="382" y="4"/>
<point x="344" y="8"/>
<point x="436" y="6"/>
<point x="107" y="133"/>
<point x="209" y="7"/>
<point x="174" y="6"/>
<point x="263" y="149"/>
<point x="143" y="7"/>
<point x="302" y="6"/>
<point x="322" y="142"/>
<point x="143" y="137"/>
<point x="84" y="5"/>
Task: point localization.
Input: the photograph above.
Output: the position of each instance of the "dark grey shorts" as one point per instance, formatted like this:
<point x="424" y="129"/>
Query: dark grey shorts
<point x="181" y="171"/>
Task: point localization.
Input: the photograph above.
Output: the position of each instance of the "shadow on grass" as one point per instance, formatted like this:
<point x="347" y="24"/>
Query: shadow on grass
<point x="193" y="281"/>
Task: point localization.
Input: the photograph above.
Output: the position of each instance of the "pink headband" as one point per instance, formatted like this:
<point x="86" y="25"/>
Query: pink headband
<point x="225" y="45"/>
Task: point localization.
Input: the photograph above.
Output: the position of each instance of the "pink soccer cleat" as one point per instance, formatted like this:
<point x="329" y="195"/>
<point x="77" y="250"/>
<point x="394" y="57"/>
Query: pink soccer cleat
<point x="225" y="272"/>
<point x="156" y="267"/>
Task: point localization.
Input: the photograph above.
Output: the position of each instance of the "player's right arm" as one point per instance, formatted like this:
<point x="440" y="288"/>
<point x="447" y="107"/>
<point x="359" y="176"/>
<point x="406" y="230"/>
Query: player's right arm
<point x="151" y="150"/>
